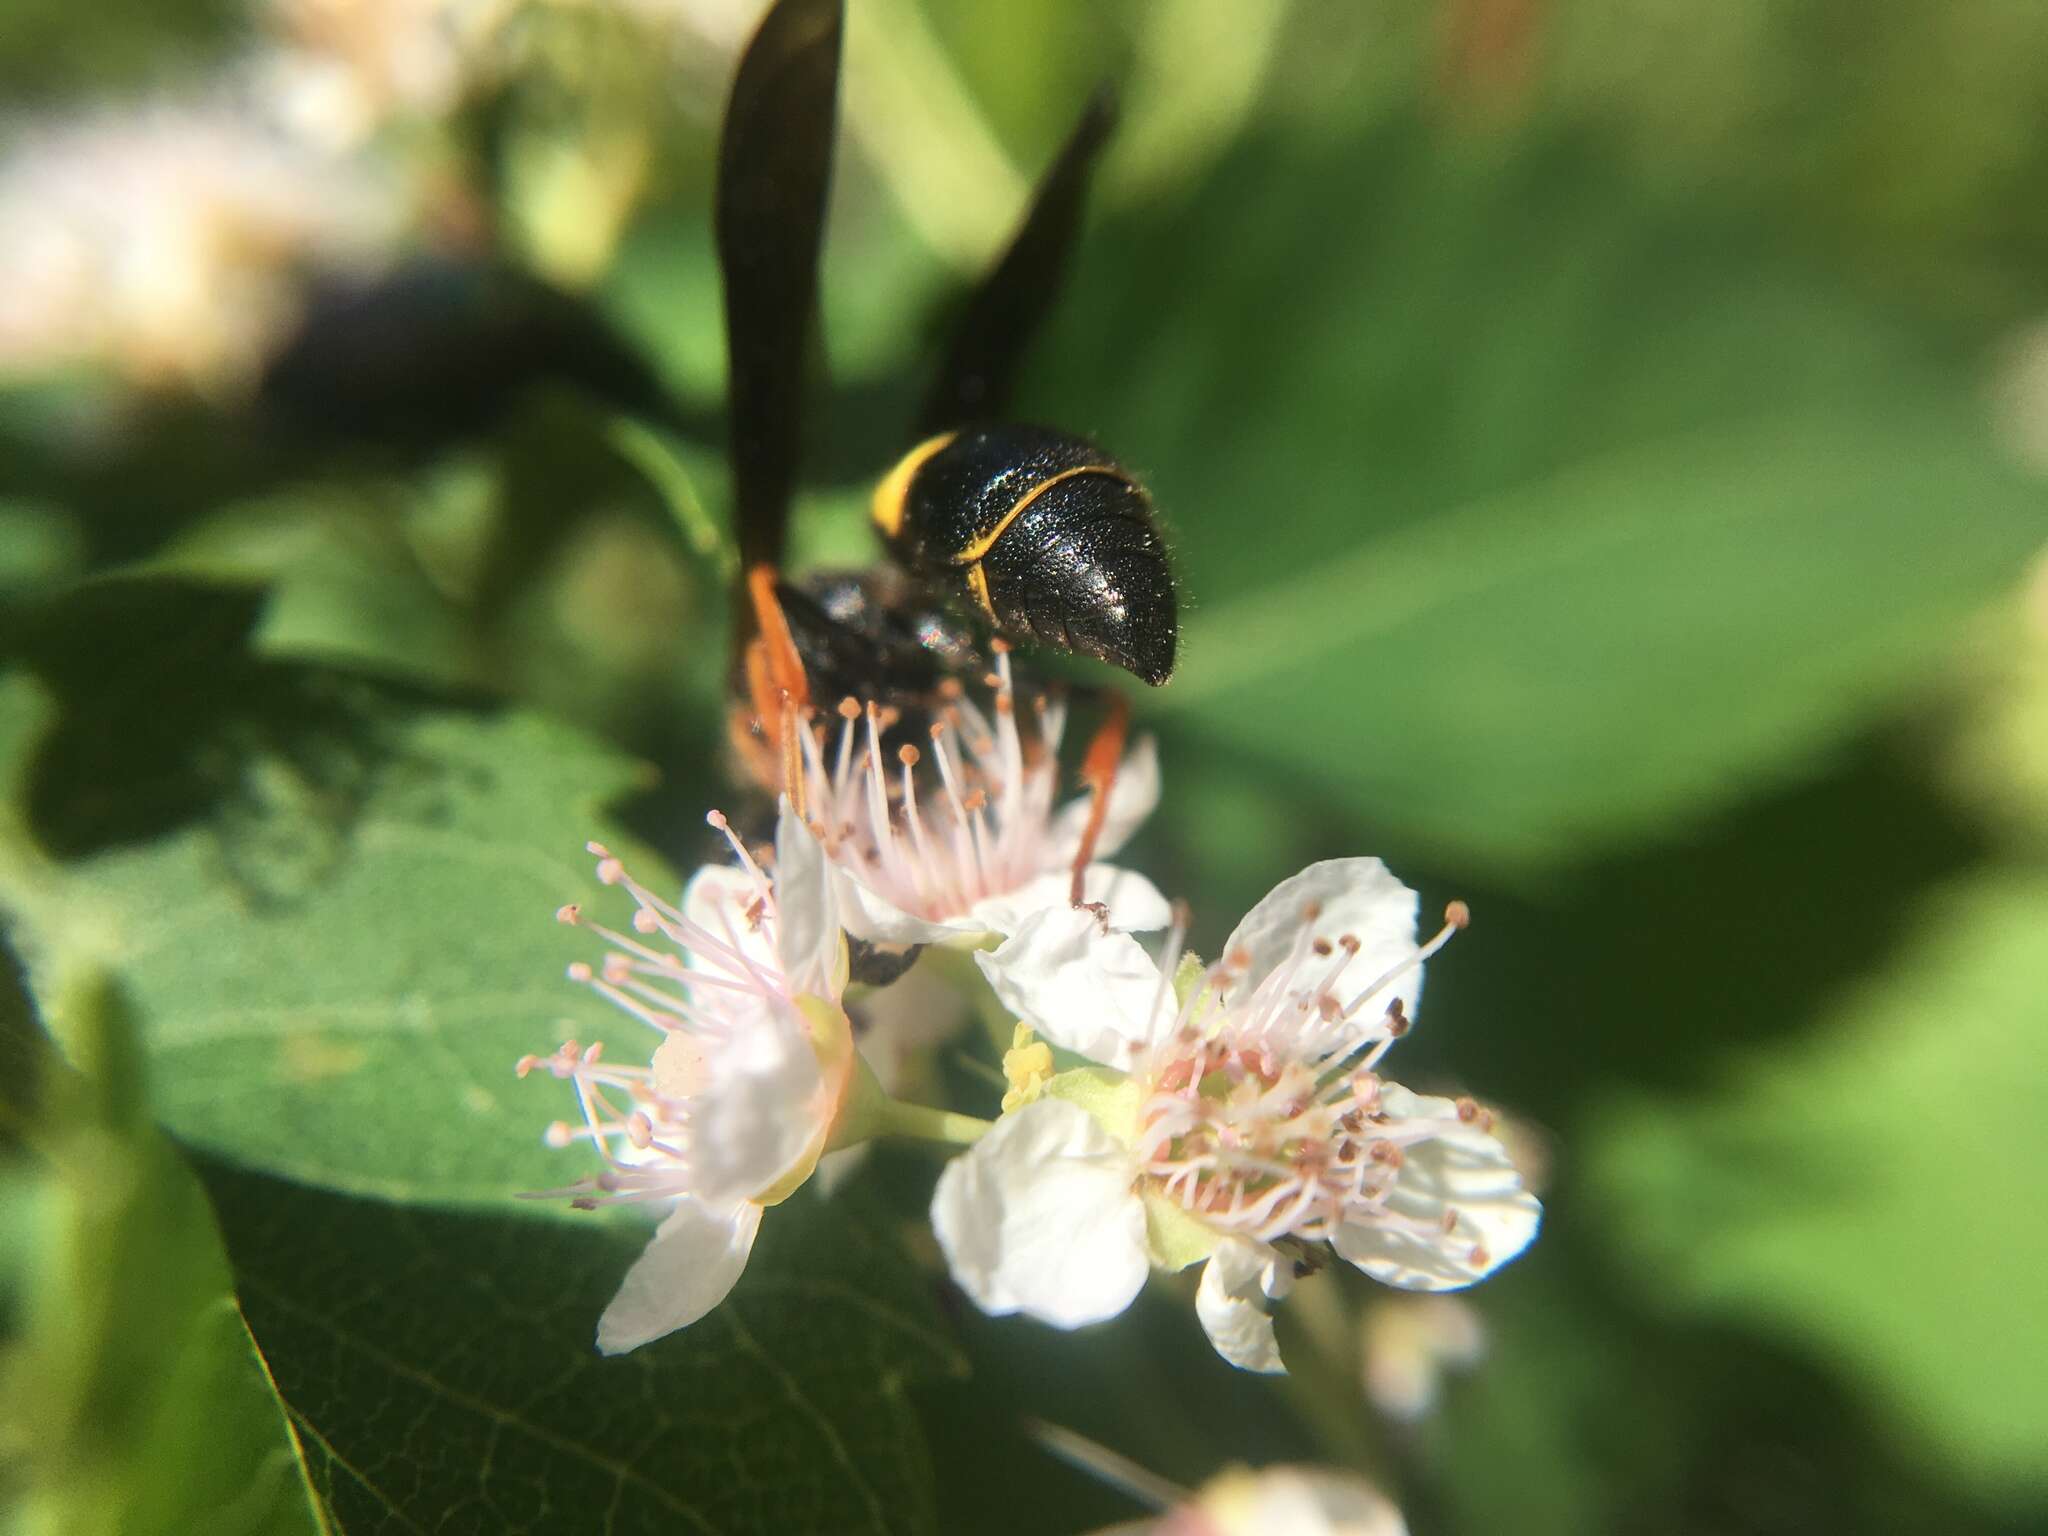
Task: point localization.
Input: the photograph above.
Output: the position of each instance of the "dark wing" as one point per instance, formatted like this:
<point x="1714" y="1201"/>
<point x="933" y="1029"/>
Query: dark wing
<point x="1005" y="312"/>
<point x="774" y="166"/>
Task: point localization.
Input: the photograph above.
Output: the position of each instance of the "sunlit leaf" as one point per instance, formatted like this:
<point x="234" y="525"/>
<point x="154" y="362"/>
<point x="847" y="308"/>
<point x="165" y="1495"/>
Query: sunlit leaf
<point x="1519" y="513"/>
<point x="1874" y="1188"/>
<point x="336" y="961"/>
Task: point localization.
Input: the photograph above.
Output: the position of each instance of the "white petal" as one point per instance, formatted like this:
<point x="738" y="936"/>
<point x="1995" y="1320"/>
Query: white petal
<point x="690" y="1266"/>
<point x="1299" y="1501"/>
<point x="1132" y="798"/>
<point x="717" y="900"/>
<point x="1135" y="904"/>
<point x="806" y="910"/>
<point x="1462" y="1169"/>
<point x="1349" y="896"/>
<point x="879" y="920"/>
<point x="758" y="1112"/>
<point x="1039" y="1217"/>
<point x="1231" y="1303"/>
<point x="1091" y="992"/>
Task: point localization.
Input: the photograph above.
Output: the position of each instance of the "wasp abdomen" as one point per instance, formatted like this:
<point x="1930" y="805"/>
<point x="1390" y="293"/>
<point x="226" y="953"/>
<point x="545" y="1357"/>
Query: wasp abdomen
<point x="1050" y="537"/>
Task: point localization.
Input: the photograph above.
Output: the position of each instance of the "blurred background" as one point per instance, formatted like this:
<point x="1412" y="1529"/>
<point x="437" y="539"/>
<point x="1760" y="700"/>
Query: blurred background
<point x="1605" y="447"/>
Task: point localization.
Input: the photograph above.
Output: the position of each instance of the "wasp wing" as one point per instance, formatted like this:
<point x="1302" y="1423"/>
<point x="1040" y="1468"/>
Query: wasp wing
<point x="774" y="167"/>
<point x="1006" y="311"/>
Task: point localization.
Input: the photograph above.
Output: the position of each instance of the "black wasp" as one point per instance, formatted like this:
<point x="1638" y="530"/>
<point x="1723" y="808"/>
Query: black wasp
<point x="1023" y="533"/>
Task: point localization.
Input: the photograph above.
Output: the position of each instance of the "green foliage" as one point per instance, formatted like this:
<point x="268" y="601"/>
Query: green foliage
<point x="336" y="966"/>
<point x="431" y="1362"/>
<point x="133" y="1379"/>
<point x="1579" y="516"/>
<point x="1571" y="429"/>
<point x="1872" y="1188"/>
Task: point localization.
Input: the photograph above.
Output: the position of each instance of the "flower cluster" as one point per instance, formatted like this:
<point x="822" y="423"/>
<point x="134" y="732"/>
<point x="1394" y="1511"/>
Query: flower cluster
<point x="1161" y="1112"/>
<point x="167" y="241"/>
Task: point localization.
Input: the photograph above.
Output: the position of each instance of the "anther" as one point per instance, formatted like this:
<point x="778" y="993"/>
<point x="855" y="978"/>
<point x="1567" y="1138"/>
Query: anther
<point x="907" y="755"/>
<point x="1458" y="915"/>
<point x="1468" y="1109"/>
<point x="568" y="914"/>
<point x="644" y="920"/>
<point x="578" y="971"/>
<point x="610" y="871"/>
<point x="849" y="708"/>
<point x="1323" y="948"/>
<point x="558" y="1135"/>
<point x="715" y="819"/>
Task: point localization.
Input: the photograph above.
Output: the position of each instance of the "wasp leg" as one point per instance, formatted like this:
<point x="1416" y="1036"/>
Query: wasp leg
<point x="777" y="689"/>
<point x="1098" y="772"/>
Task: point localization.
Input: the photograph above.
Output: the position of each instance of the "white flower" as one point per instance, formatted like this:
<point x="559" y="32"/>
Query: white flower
<point x="166" y="242"/>
<point x="980" y="844"/>
<point x="1234" y="1126"/>
<point x="1282" y="1501"/>
<point x="1409" y="1342"/>
<point x="752" y="1069"/>
<point x="343" y="68"/>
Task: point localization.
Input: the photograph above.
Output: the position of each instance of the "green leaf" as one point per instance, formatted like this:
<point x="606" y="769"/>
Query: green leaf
<point x="1516" y="513"/>
<point x="344" y="584"/>
<point x="134" y="1382"/>
<point x="1873" y="1187"/>
<point x="439" y="1368"/>
<point x="336" y="961"/>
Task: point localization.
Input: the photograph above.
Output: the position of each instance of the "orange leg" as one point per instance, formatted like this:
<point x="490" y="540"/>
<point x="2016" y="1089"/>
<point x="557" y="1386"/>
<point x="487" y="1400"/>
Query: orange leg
<point x="776" y="685"/>
<point x="1098" y="772"/>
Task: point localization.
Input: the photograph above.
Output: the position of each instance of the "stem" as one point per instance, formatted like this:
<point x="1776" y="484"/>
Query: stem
<point x="920" y="1122"/>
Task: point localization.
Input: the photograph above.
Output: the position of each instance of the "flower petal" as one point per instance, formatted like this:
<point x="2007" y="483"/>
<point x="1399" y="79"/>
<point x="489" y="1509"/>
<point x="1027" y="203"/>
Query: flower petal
<point x="806" y="910"/>
<point x="1095" y="993"/>
<point x="1039" y="1217"/>
<point x="1462" y="1170"/>
<point x="688" y="1268"/>
<point x="718" y="899"/>
<point x="1231" y="1303"/>
<point x="1358" y="897"/>
<point x="1132" y="798"/>
<point x="758" y="1109"/>
<point x="873" y="917"/>
<point x="1301" y="1501"/>
<point x="1135" y="904"/>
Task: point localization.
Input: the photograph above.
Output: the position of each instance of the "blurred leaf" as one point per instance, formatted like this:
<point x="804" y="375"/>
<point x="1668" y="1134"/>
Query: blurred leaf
<point x="134" y="1386"/>
<point x="36" y="546"/>
<point x="343" y="585"/>
<point x="48" y="47"/>
<point x="439" y="1369"/>
<point x="337" y="962"/>
<point x="1873" y="1188"/>
<point x="1516" y="512"/>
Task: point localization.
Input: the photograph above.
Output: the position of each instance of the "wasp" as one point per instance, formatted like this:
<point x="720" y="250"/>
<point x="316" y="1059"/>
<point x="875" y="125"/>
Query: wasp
<point x="996" y="532"/>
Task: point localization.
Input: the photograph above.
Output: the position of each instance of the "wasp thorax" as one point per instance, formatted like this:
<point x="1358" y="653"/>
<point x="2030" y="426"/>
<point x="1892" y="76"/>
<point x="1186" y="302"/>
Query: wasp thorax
<point x="1050" y="538"/>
